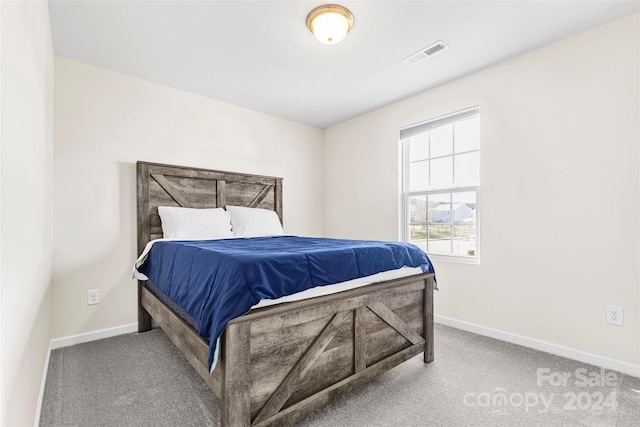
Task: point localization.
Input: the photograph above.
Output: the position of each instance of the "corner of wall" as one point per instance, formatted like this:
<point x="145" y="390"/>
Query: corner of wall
<point x="26" y="209"/>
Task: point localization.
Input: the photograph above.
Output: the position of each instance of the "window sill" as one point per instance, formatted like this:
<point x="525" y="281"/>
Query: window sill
<point x="456" y="259"/>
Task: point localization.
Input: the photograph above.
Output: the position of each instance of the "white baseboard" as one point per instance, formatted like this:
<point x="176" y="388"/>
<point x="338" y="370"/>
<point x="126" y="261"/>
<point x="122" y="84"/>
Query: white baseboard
<point x="93" y="336"/>
<point x="559" y="350"/>
<point x="36" y="422"/>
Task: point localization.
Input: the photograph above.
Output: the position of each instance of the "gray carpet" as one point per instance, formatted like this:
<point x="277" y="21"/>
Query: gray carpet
<point x="142" y="380"/>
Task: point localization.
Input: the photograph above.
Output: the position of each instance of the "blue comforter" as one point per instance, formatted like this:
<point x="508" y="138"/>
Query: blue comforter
<point x="215" y="281"/>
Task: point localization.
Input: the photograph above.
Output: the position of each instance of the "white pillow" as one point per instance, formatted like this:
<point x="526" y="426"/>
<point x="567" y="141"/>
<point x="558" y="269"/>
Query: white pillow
<point x="189" y="223"/>
<point x="254" y="222"/>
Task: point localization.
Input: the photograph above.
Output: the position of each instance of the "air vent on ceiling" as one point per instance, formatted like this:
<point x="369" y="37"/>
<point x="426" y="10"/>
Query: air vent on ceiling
<point x="426" y="52"/>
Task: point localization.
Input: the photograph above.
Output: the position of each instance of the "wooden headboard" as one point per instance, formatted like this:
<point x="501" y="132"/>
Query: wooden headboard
<point x="168" y="185"/>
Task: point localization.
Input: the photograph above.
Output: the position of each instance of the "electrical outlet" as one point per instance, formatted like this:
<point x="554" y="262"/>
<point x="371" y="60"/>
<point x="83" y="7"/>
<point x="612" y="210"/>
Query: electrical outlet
<point x="93" y="297"/>
<point x="615" y="315"/>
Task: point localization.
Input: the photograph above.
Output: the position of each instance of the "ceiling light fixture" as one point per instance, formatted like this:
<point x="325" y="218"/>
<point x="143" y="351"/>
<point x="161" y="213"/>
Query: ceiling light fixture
<point x="330" y="23"/>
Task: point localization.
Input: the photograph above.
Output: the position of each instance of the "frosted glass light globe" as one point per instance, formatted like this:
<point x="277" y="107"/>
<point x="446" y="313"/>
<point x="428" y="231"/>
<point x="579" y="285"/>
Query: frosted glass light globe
<point x="330" y="23"/>
<point x="330" y="28"/>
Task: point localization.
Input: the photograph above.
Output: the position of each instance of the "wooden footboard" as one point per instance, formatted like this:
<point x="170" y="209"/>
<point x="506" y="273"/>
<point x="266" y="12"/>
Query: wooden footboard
<point x="281" y="362"/>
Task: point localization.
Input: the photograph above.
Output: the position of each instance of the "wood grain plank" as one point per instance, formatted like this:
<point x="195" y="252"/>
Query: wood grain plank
<point x="279" y="337"/>
<point x="198" y="193"/>
<point x="158" y="196"/>
<point x="269" y="370"/>
<point x="428" y="321"/>
<point x="277" y="195"/>
<point x="288" y="386"/>
<point x="208" y="174"/>
<point x="221" y="186"/>
<point x="142" y="183"/>
<point x="310" y="312"/>
<point x="395" y="322"/>
<point x="331" y="367"/>
<point x="144" y="318"/>
<point x="271" y="366"/>
<point x="242" y="194"/>
<point x="359" y="340"/>
<point x="385" y="343"/>
<point x="171" y="190"/>
<point x="413" y="315"/>
<point x="261" y="195"/>
<point x="236" y="409"/>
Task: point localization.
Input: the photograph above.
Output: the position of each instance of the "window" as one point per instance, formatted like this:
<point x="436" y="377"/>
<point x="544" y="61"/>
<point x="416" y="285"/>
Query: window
<point x="441" y="179"/>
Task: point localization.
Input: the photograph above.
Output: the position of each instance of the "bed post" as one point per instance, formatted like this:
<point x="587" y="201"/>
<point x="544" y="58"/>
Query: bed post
<point x="236" y="409"/>
<point x="144" y="318"/>
<point x="142" y="190"/>
<point x="428" y="320"/>
<point x="277" y="195"/>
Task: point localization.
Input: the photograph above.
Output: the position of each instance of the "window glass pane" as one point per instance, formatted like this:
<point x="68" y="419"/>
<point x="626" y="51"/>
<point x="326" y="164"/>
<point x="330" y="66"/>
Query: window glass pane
<point x="418" y="236"/>
<point x="464" y="229"/>
<point x="464" y="207"/>
<point x="467" y="169"/>
<point x="440" y="239"/>
<point x="467" y="135"/>
<point x="418" y="233"/>
<point x="439" y="206"/>
<point x="419" y="147"/>
<point x="464" y="240"/>
<point x="418" y="221"/>
<point x="419" y="175"/>
<point x="442" y="172"/>
<point x="418" y="209"/>
<point x="442" y="141"/>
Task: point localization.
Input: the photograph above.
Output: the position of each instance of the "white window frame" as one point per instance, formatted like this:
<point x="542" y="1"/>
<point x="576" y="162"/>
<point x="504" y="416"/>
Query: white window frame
<point x="415" y="129"/>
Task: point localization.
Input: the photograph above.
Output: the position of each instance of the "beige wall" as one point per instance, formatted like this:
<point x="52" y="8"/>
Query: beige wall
<point x="559" y="197"/>
<point x="26" y="226"/>
<point x="105" y="122"/>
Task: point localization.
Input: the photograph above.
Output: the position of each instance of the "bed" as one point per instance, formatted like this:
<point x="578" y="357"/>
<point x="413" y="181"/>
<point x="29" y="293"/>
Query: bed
<point x="279" y="363"/>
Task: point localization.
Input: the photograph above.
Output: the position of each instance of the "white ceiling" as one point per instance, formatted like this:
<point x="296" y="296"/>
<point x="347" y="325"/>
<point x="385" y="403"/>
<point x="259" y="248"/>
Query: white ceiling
<point x="260" y="55"/>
